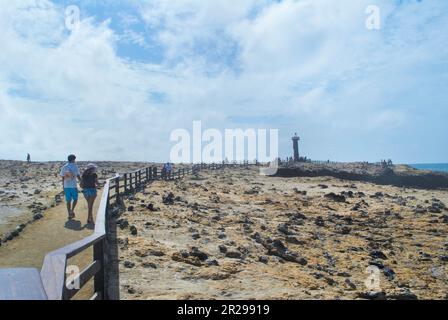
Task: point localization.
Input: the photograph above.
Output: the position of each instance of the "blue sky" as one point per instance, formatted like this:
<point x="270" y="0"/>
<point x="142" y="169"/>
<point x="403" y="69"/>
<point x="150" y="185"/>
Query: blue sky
<point x="134" y="71"/>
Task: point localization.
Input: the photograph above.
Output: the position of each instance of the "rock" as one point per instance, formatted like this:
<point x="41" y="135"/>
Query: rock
<point x="323" y="186"/>
<point x="233" y="255"/>
<point x="222" y="249"/>
<point x="129" y="264"/>
<point x="254" y="190"/>
<point x="298" y="216"/>
<point x="131" y="291"/>
<point x="156" y="253"/>
<point x="377" y="195"/>
<point x="131" y="208"/>
<point x="378" y="255"/>
<point x="334" y="197"/>
<point x="343" y="230"/>
<point x="444" y="258"/>
<point x="420" y="211"/>
<point x="168" y="199"/>
<point x="330" y="281"/>
<point x="389" y="273"/>
<point x="372" y="295"/>
<point x="403" y="296"/>
<point x="195" y="252"/>
<point x="10" y="236"/>
<point x="123" y="223"/>
<point x="294" y="240"/>
<point x="350" y="284"/>
<point x="37" y="191"/>
<point x="263" y="259"/>
<point x="213" y="263"/>
<point x="278" y="249"/>
<point x="151" y="207"/>
<point x="38" y="216"/>
<point x="222" y="236"/>
<point x="343" y="274"/>
<point x="348" y="194"/>
<point x="303" y="193"/>
<point x="184" y="257"/>
<point x="149" y="265"/>
<point x="133" y="230"/>
<point x="320" y="222"/>
<point x="196" y="236"/>
<point x="283" y="228"/>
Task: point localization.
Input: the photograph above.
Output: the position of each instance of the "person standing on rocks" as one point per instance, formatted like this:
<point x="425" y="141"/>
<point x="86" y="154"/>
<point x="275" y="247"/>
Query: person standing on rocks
<point x="70" y="174"/>
<point x="28" y="158"/>
<point x="89" y="183"/>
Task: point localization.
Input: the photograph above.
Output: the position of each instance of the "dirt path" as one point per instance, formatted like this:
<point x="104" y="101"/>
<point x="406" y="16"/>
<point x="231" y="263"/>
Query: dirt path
<point x="48" y="234"/>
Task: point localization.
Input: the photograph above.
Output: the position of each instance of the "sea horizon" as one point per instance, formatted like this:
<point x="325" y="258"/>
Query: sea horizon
<point x="436" y="167"/>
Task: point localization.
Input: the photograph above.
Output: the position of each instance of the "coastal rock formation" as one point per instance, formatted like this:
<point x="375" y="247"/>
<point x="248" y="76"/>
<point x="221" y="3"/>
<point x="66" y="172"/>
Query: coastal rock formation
<point x="401" y="175"/>
<point x="234" y="234"/>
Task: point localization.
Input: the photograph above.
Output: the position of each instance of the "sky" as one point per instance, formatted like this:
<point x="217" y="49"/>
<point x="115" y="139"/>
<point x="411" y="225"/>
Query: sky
<point x="115" y="87"/>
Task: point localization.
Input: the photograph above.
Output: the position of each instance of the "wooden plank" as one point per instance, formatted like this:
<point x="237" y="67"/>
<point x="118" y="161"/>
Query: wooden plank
<point x="83" y="278"/>
<point x="21" y="284"/>
<point x="117" y="189"/>
<point x="98" y="255"/>
<point x="101" y="214"/>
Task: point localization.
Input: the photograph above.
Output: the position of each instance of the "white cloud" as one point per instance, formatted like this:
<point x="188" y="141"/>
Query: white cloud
<point x="312" y="62"/>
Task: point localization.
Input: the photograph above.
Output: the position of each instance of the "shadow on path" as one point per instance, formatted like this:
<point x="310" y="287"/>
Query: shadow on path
<point x="74" y="225"/>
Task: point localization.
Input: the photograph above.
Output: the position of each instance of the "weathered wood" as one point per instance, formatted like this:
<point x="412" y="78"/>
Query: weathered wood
<point x="125" y="182"/>
<point x="85" y="275"/>
<point x="117" y="189"/>
<point x="98" y="255"/>
<point x="21" y="284"/>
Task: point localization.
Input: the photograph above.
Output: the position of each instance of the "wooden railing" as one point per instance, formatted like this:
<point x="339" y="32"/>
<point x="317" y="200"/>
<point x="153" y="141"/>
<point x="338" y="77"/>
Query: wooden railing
<point x="53" y="273"/>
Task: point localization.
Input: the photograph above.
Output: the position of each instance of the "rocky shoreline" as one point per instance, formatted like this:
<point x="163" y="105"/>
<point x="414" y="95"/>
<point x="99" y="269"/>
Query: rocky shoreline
<point x="400" y="176"/>
<point x="238" y="235"/>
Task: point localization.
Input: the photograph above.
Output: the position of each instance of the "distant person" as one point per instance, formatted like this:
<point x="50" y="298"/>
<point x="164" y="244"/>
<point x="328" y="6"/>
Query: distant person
<point x="70" y="174"/>
<point x="89" y="184"/>
<point x="28" y="158"/>
<point x="169" y="168"/>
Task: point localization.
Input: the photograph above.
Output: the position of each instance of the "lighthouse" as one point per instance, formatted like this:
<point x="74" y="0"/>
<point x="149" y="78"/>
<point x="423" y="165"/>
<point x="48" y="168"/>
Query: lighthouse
<point x="295" y="143"/>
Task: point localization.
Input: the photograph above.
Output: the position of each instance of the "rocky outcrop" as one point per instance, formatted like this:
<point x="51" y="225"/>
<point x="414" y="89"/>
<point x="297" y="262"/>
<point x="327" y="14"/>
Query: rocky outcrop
<point x="400" y="176"/>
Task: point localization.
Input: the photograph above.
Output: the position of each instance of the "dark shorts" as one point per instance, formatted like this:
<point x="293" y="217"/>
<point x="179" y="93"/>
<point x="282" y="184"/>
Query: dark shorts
<point x="89" y="193"/>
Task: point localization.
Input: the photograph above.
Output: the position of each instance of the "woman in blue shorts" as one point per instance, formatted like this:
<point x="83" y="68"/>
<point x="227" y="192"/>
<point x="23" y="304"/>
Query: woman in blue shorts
<point x="90" y="184"/>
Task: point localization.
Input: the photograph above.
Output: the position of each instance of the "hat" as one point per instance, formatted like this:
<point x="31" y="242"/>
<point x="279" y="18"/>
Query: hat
<point x="91" y="166"/>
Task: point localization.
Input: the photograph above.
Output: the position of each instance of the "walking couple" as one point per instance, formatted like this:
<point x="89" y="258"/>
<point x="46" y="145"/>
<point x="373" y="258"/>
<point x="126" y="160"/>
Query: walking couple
<point x="88" y="182"/>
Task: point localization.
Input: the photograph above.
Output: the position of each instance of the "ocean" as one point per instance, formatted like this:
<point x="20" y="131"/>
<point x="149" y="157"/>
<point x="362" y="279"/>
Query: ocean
<point x="437" y="167"/>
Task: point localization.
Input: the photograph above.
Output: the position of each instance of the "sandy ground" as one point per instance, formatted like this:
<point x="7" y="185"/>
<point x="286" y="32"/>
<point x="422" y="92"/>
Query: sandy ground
<point x="238" y="235"/>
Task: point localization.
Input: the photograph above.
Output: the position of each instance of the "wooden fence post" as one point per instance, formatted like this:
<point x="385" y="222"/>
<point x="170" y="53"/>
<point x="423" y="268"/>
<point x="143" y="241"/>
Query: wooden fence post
<point x="117" y="190"/>
<point x="125" y="183"/>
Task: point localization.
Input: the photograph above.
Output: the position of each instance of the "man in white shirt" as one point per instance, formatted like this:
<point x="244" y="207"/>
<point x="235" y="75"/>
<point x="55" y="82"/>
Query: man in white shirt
<point x="70" y="174"/>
